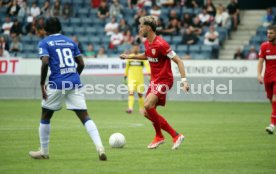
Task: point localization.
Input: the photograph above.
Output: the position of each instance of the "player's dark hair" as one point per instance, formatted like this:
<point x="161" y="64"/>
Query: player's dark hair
<point x="52" y="25"/>
<point x="271" y="27"/>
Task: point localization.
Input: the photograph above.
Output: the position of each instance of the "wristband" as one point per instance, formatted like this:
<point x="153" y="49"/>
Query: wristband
<point x="184" y="79"/>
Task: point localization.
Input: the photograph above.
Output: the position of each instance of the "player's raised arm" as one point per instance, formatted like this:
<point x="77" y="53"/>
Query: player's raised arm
<point x="141" y="56"/>
<point x="43" y="75"/>
<point x="180" y="65"/>
<point x="80" y="63"/>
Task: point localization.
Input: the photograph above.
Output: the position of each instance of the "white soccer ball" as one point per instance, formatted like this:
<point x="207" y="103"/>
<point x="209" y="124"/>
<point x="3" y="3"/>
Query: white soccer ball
<point x="117" y="140"/>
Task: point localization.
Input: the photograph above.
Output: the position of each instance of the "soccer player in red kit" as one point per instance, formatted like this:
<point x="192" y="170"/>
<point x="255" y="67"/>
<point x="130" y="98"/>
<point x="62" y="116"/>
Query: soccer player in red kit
<point x="267" y="54"/>
<point x="159" y="54"/>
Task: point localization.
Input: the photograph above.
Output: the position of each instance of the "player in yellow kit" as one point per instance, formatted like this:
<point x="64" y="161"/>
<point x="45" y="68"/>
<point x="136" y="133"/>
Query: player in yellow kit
<point x="135" y="79"/>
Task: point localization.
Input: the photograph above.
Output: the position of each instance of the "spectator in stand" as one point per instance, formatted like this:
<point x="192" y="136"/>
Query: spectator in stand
<point x="123" y="26"/>
<point x="90" y="52"/>
<point x="132" y="4"/>
<point x="116" y="9"/>
<point x="31" y="27"/>
<point x="211" y="37"/>
<point x="67" y="11"/>
<point x="101" y="53"/>
<point x="238" y="54"/>
<point x="196" y="26"/>
<point x="189" y="38"/>
<point x="252" y="54"/>
<point x="6" y="27"/>
<point x="210" y="8"/>
<point x="34" y="10"/>
<point x="173" y="15"/>
<point x="40" y="32"/>
<point x="128" y="38"/>
<point x="56" y="9"/>
<point x="4" y="53"/>
<point x="155" y="11"/>
<point x="16" y="47"/>
<point x="46" y="9"/>
<point x="22" y="14"/>
<point x="95" y="3"/>
<point x="173" y="28"/>
<point x="267" y="19"/>
<point x="167" y="3"/>
<point x="111" y="27"/>
<point x="204" y="17"/>
<point x="116" y="39"/>
<point x="75" y="39"/>
<point x="4" y="44"/>
<point x="186" y="21"/>
<point x="13" y="9"/>
<point x="160" y="26"/>
<point x="222" y="18"/>
<point x="140" y="13"/>
<point x="103" y="11"/>
<point x="233" y="10"/>
<point x="16" y="29"/>
<point x="191" y="4"/>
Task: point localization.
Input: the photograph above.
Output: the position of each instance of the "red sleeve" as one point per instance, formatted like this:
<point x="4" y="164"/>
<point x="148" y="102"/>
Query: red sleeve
<point x="262" y="51"/>
<point x="165" y="48"/>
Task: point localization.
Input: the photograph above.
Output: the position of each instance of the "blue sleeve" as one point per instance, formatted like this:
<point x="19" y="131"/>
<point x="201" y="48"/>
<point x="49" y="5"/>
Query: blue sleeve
<point x="77" y="50"/>
<point x="42" y="49"/>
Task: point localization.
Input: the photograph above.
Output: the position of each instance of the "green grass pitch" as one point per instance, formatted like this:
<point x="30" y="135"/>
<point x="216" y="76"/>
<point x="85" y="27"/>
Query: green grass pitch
<point x="221" y="138"/>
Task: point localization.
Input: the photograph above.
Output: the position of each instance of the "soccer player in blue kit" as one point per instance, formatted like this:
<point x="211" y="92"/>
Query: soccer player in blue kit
<point x="63" y="57"/>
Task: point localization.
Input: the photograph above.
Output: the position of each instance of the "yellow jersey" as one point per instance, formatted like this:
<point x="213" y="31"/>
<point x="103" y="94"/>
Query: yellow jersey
<point x="134" y="69"/>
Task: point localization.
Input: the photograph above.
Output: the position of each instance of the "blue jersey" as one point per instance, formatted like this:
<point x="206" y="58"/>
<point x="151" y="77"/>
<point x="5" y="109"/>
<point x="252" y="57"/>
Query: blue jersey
<point x="61" y="51"/>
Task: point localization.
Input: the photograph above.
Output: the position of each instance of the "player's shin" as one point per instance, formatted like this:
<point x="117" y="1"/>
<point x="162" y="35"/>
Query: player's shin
<point x="153" y="115"/>
<point x="44" y="135"/>
<point x="93" y="133"/>
<point x="273" y="114"/>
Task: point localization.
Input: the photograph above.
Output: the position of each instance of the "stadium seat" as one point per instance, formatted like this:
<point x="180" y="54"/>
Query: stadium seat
<point x="194" y="49"/>
<point x="68" y="30"/>
<point x="177" y="39"/>
<point x="83" y="12"/>
<point x="76" y="22"/>
<point x="90" y="30"/>
<point x="80" y="31"/>
<point x="26" y="39"/>
<point x="167" y="38"/>
<point x="87" y="22"/>
<point x="187" y="10"/>
<point x="84" y="39"/>
<point x="182" y="48"/>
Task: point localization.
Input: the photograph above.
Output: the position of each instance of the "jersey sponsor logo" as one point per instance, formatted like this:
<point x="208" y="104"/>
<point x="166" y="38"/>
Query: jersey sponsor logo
<point x="267" y="51"/>
<point x="68" y="70"/>
<point x="136" y="63"/>
<point x="271" y="57"/>
<point x="51" y="43"/>
<point x="153" y="51"/>
<point x="151" y="59"/>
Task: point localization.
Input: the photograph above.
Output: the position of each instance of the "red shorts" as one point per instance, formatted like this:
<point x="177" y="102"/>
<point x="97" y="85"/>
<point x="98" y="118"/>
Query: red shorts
<point x="270" y="88"/>
<point x="160" y="90"/>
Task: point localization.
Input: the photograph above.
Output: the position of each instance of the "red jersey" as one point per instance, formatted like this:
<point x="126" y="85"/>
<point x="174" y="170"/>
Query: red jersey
<point x="268" y="52"/>
<point x="159" y="54"/>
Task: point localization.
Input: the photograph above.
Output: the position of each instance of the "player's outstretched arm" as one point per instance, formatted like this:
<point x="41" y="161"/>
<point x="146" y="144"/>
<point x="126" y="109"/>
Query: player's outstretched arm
<point x="180" y="65"/>
<point x="260" y="70"/>
<point x="141" y="56"/>
<point x="80" y="63"/>
<point x="43" y="75"/>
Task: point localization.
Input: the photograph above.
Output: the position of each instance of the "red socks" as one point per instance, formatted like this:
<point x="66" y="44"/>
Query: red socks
<point x="159" y="123"/>
<point x="273" y="114"/>
<point x="153" y="116"/>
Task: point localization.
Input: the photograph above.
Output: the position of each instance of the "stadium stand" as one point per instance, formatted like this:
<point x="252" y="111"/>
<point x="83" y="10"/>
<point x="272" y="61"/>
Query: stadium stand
<point x="90" y="29"/>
